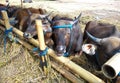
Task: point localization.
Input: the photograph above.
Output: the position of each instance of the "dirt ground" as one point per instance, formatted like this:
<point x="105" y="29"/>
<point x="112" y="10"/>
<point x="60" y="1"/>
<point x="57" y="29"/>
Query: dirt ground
<point x="20" y="66"/>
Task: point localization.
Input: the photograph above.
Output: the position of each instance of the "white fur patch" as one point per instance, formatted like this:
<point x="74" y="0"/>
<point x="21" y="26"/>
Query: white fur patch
<point x="89" y="49"/>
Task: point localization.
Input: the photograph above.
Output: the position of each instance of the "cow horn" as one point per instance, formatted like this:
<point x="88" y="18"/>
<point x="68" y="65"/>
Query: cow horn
<point x="8" y="5"/>
<point x="45" y="16"/>
<point x="48" y="18"/>
<point x="77" y="19"/>
<point x="94" y="39"/>
<point x="49" y="14"/>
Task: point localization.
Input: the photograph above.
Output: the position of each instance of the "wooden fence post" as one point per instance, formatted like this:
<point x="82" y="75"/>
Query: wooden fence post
<point x="41" y="44"/>
<point x="6" y="19"/>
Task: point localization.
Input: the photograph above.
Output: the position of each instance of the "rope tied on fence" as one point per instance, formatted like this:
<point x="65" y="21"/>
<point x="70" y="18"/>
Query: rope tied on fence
<point x="6" y="32"/>
<point x="41" y="52"/>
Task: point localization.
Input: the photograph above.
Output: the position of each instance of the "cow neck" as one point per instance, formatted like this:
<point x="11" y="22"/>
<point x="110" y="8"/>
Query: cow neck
<point x="70" y="26"/>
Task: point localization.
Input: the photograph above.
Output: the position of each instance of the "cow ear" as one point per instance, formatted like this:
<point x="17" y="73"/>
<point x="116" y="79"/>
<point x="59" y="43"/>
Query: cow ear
<point x="94" y="39"/>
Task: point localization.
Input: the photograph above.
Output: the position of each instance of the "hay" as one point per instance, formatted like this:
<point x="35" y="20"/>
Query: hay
<point x="21" y="66"/>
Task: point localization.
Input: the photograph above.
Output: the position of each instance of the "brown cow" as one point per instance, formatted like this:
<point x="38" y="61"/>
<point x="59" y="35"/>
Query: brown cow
<point x="67" y="35"/>
<point x="31" y="30"/>
<point x="22" y="15"/>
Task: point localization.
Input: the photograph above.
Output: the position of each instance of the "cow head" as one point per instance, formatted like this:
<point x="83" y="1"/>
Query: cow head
<point x="65" y="34"/>
<point x="31" y="30"/>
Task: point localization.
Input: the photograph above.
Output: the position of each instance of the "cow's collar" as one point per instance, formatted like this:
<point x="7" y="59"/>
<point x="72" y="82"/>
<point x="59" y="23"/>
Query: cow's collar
<point x="63" y="26"/>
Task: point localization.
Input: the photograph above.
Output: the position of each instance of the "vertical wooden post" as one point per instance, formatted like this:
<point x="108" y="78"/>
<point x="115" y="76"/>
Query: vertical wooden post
<point x="6" y="19"/>
<point x="41" y="42"/>
<point x="40" y="34"/>
<point x="8" y="28"/>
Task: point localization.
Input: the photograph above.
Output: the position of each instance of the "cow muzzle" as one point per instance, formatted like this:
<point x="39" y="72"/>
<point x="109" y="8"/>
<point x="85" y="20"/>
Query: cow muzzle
<point x="60" y="50"/>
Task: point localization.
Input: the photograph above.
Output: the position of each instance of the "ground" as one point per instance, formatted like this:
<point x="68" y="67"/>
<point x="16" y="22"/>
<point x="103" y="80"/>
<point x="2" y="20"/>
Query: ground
<point x="19" y="65"/>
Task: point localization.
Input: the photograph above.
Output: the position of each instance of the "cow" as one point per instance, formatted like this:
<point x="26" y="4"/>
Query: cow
<point x="104" y="42"/>
<point x="100" y="30"/>
<point x="23" y="14"/>
<point x="31" y="30"/>
<point x="106" y="48"/>
<point x="67" y="35"/>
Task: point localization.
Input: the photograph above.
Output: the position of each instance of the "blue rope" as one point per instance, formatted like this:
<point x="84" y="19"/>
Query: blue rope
<point x="119" y="74"/>
<point x="97" y="58"/>
<point x="35" y="49"/>
<point x="41" y="53"/>
<point x="66" y="54"/>
<point x="7" y="31"/>
<point x="63" y="26"/>
<point x="0" y="17"/>
<point x="44" y="52"/>
<point x="15" y="39"/>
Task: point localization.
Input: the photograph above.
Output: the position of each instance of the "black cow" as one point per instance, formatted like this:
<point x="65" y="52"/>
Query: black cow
<point x="106" y="48"/>
<point x="67" y="35"/>
<point x="106" y="41"/>
<point x="101" y="30"/>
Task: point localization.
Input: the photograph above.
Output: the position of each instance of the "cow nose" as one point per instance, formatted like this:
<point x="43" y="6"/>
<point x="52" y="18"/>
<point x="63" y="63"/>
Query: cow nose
<point x="61" y="49"/>
<point x="27" y="35"/>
